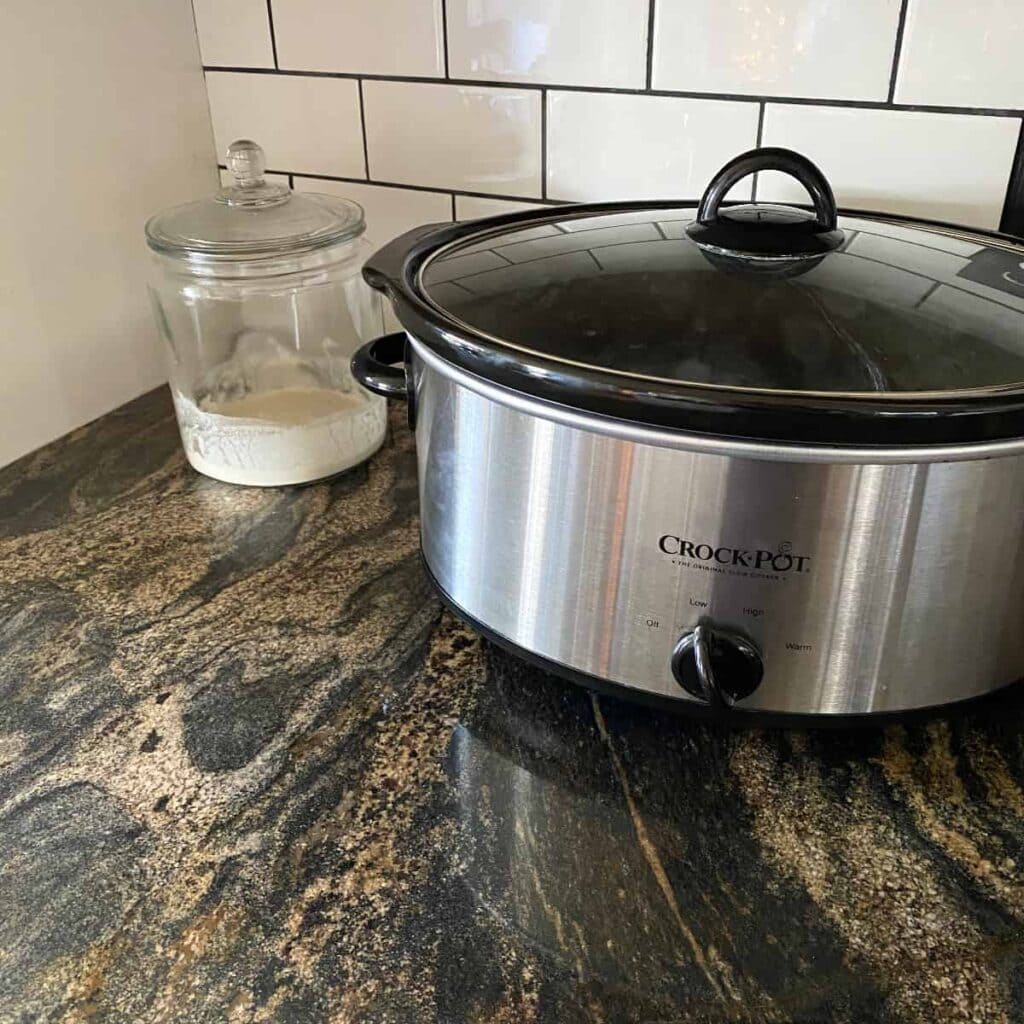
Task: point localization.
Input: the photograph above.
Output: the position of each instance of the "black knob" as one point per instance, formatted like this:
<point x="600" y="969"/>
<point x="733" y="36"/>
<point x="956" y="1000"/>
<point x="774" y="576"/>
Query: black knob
<point x="717" y="666"/>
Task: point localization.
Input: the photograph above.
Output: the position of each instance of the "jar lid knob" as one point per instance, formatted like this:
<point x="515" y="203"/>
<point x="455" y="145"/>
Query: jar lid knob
<point x="247" y="162"/>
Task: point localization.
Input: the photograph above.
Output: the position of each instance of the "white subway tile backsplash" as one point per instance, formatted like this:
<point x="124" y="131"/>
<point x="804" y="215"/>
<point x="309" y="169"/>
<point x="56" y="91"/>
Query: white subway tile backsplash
<point x="963" y="54"/>
<point x="588" y="222"/>
<point x="473" y="207"/>
<point x="889" y="286"/>
<point x="478" y="262"/>
<point x="612" y="146"/>
<point x="389" y="211"/>
<point x="897" y="252"/>
<point x="303" y="124"/>
<point x="570" y="42"/>
<point x="942" y="242"/>
<point x="945" y="264"/>
<point x="555" y="243"/>
<point x="604" y="136"/>
<point x="523" y="235"/>
<point x="469" y="138"/>
<point x="505" y="278"/>
<point x="949" y="167"/>
<point x="978" y="313"/>
<point x="801" y="48"/>
<point x="234" y="33"/>
<point x="381" y="37"/>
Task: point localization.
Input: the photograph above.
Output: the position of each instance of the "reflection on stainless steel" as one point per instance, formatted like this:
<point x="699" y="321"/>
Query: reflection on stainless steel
<point x="549" y="533"/>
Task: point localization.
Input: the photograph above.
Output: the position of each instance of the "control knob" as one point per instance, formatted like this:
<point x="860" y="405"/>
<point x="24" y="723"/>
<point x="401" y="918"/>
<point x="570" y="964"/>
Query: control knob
<point x="717" y="666"/>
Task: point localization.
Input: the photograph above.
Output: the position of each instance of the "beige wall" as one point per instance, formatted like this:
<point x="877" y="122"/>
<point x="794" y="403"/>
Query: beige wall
<point x="103" y="120"/>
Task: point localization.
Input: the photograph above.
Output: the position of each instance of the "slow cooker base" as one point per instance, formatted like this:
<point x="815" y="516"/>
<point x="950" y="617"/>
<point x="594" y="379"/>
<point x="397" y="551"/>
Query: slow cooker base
<point x="686" y="708"/>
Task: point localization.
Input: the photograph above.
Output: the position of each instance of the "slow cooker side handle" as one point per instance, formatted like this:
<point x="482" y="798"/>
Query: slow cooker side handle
<point x="381" y="367"/>
<point x="375" y="366"/>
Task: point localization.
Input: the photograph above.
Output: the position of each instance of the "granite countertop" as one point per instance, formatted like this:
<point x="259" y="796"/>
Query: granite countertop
<point x="250" y="771"/>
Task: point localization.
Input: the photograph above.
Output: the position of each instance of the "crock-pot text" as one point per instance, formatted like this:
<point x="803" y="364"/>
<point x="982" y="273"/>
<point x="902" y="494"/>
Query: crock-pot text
<point x="777" y="561"/>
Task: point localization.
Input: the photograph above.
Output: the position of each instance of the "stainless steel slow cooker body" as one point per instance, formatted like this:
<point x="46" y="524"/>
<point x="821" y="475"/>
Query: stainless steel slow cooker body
<point x="597" y="545"/>
<point x="827" y="578"/>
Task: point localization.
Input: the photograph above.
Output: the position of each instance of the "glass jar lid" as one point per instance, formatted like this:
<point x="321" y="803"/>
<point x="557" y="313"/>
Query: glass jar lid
<point x="253" y="219"/>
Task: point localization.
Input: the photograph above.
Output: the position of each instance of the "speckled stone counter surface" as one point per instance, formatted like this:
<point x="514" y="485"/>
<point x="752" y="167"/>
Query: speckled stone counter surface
<point x="249" y="771"/>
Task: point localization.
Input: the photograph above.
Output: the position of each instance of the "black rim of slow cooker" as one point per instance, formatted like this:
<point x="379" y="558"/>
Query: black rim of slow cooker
<point x="883" y="421"/>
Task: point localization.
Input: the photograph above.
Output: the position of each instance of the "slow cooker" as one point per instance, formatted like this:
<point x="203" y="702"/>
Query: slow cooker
<point x="742" y="458"/>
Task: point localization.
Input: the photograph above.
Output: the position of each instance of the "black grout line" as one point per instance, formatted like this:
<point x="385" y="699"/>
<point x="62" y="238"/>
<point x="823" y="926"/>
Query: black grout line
<point x="1012" y="221"/>
<point x="934" y="284"/>
<point x="555" y="203"/>
<point x="417" y="188"/>
<point x="757" y="145"/>
<point x="444" y="34"/>
<point x="273" y="37"/>
<point x="541" y="259"/>
<point x="900" y="25"/>
<point x="650" y="43"/>
<point x="362" y="125"/>
<point x="953" y="286"/>
<point x="874" y="234"/>
<point x="543" y="143"/>
<point x="799" y="101"/>
<point x="927" y="295"/>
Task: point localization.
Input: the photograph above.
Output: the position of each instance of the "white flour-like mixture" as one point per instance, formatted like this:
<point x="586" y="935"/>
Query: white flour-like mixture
<point x="283" y="436"/>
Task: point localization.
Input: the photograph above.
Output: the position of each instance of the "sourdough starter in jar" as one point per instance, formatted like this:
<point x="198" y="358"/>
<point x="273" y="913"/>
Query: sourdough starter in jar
<point x="259" y="299"/>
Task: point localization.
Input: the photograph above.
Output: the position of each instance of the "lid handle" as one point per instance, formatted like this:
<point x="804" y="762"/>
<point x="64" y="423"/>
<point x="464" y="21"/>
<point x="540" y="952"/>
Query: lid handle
<point x="247" y="162"/>
<point x="766" y="233"/>
<point x="772" y="158"/>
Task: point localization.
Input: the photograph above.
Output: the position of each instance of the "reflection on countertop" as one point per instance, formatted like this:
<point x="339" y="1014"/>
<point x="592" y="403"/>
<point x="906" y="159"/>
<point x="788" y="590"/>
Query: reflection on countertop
<point x="250" y="772"/>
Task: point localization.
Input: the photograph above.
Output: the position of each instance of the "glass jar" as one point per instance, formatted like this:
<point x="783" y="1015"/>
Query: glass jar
<point x="259" y="300"/>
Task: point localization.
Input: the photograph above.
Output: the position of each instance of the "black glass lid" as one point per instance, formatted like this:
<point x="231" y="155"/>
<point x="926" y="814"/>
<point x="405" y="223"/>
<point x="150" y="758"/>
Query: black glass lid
<point x="890" y="330"/>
